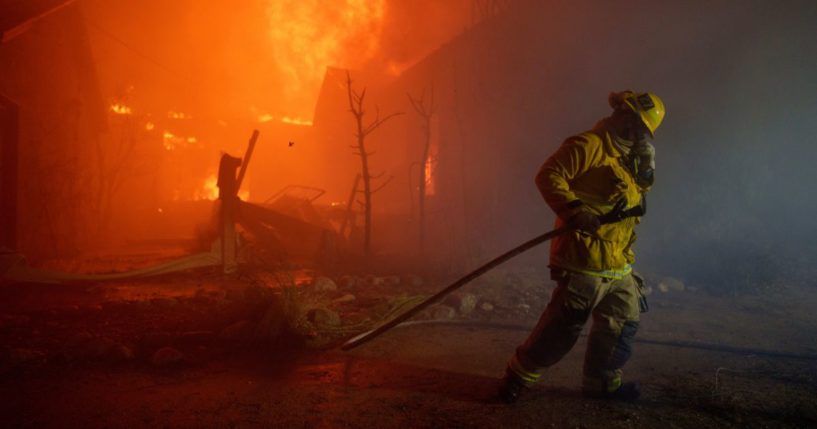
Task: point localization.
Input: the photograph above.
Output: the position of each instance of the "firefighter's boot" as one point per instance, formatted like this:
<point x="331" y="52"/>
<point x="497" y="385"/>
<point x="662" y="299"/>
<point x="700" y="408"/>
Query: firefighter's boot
<point x="511" y="387"/>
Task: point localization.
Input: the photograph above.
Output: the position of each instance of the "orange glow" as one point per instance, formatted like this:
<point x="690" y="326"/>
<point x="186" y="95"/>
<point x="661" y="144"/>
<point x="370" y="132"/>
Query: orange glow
<point x="266" y="117"/>
<point x="429" y="167"/>
<point x="178" y="115"/>
<point x="296" y="121"/>
<point x="395" y="69"/>
<point x="209" y="190"/>
<point x="171" y="141"/>
<point x="150" y="126"/>
<point x="309" y="35"/>
<point x="121" y="109"/>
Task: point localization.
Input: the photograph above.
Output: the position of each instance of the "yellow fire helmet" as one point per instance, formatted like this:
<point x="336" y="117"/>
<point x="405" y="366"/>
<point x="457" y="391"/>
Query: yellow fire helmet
<point x="648" y="106"/>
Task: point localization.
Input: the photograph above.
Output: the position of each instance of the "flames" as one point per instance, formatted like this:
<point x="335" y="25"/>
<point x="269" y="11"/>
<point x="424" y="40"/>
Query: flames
<point x="266" y="117"/>
<point x="178" y="115"/>
<point x="309" y="35"/>
<point x="296" y="121"/>
<point x="429" y="167"/>
<point x="121" y="109"/>
<point x="209" y="190"/>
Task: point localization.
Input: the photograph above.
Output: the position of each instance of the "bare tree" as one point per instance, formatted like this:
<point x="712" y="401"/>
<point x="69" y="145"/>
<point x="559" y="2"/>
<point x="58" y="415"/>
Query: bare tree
<point x="426" y="109"/>
<point x="356" y="108"/>
<point x="117" y="163"/>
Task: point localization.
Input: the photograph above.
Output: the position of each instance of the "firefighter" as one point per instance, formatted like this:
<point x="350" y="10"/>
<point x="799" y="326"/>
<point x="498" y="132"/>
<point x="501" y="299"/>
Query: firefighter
<point x="589" y="175"/>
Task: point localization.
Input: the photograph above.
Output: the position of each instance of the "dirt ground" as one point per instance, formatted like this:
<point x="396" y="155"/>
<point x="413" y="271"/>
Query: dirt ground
<point x="174" y="352"/>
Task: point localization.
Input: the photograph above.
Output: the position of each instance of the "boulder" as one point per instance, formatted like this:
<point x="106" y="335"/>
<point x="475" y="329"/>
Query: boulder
<point x="671" y="284"/>
<point x="442" y="312"/>
<point x="324" y="284"/>
<point x="374" y="281"/>
<point x="391" y="280"/>
<point x="344" y="299"/>
<point x="349" y="282"/>
<point x="486" y="306"/>
<point x="120" y="353"/>
<point x="323" y="316"/>
<point x="414" y="280"/>
<point x="197" y="337"/>
<point x="464" y="303"/>
<point x="166" y="356"/>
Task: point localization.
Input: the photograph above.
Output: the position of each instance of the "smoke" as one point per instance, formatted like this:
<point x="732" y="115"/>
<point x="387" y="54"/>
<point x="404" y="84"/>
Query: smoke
<point x="732" y="208"/>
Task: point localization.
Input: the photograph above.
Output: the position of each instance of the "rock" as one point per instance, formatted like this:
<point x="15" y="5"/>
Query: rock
<point x="239" y="331"/>
<point x="166" y="356"/>
<point x="324" y="284"/>
<point x="120" y="353"/>
<point x="442" y="312"/>
<point x="349" y="282"/>
<point x="345" y="298"/>
<point x="21" y="356"/>
<point x="391" y="280"/>
<point x="197" y="337"/>
<point x="374" y="281"/>
<point x="670" y="284"/>
<point x="464" y="303"/>
<point x="323" y="316"/>
<point x="486" y="306"/>
<point x="414" y="280"/>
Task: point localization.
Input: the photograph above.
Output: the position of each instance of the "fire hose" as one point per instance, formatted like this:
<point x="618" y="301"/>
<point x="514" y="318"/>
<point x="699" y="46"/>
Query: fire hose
<point x="617" y="214"/>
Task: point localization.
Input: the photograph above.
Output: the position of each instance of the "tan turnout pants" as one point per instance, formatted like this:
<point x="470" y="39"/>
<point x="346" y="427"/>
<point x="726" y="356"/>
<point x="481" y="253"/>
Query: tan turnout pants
<point x="615" y="307"/>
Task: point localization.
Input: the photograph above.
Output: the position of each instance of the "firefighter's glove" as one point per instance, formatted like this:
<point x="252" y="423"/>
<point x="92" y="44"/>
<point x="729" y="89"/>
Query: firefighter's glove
<point x="585" y="221"/>
<point x="615" y="214"/>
